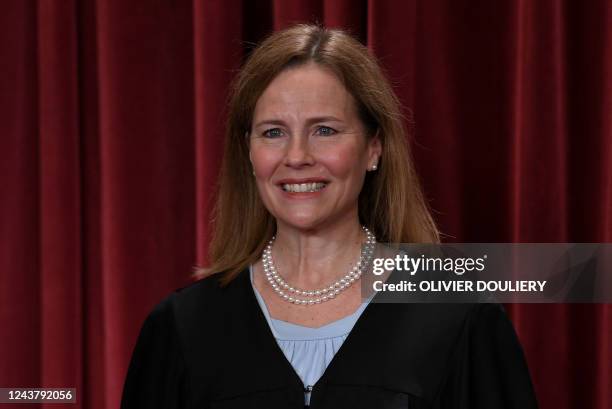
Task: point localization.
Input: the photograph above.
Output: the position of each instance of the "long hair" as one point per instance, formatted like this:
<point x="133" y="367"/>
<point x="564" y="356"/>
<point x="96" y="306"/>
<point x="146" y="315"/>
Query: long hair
<point x="391" y="203"/>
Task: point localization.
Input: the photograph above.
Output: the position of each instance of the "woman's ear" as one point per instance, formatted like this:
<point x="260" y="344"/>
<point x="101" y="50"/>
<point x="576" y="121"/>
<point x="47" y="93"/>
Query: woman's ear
<point x="375" y="152"/>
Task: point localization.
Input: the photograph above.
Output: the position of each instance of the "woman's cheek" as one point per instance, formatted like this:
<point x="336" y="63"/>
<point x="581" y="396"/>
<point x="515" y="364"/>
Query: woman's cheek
<point x="342" y="161"/>
<point x="264" y="162"/>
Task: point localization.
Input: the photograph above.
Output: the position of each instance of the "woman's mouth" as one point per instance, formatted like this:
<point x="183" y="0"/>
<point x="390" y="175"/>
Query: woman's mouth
<point x="303" y="187"/>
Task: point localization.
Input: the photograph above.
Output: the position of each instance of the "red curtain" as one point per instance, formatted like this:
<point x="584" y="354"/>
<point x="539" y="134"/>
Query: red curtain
<point x="111" y="127"/>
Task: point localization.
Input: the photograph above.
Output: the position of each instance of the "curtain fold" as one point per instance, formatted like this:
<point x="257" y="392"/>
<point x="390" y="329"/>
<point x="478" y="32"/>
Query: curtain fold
<point x="20" y="285"/>
<point x="111" y="133"/>
<point x="59" y="206"/>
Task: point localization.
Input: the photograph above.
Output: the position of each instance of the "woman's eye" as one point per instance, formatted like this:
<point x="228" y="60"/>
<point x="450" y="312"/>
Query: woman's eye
<point x="325" y="131"/>
<point x="273" y="133"/>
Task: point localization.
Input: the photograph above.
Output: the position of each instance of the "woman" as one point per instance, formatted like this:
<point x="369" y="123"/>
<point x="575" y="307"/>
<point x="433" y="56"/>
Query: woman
<point x="316" y="170"/>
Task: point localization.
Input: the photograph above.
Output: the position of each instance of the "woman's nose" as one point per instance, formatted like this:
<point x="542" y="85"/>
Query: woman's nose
<point x="298" y="152"/>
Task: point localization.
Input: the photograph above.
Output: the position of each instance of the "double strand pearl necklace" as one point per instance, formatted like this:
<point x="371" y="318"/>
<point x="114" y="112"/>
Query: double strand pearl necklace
<point x="288" y="292"/>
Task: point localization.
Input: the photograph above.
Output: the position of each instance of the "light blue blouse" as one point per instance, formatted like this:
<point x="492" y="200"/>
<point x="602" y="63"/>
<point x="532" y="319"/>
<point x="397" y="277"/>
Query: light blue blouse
<point x="310" y="350"/>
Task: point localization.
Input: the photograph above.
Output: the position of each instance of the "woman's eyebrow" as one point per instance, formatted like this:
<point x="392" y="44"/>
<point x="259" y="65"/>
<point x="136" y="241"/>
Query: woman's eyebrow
<point x="323" y="119"/>
<point x="309" y="121"/>
<point x="270" y="122"/>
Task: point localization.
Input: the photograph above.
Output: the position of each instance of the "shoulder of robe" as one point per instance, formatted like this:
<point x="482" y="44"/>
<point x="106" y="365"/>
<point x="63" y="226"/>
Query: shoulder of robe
<point x="178" y="347"/>
<point x="205" y="302"/>
<point x="411" y="347"/>
<point x="199" y="312"/>
<point x="488" y="367"/>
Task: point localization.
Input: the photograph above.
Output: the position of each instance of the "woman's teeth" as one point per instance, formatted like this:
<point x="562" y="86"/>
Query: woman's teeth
<point x="303" y="187"/>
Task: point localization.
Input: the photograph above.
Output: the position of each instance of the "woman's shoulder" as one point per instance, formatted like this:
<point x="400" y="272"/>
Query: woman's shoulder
<point x="203" y="295"/>
<point x="195" y="312"/>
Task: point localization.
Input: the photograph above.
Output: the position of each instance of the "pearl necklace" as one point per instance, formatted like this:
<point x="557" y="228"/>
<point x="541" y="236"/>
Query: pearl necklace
<point x="287" y="292"/>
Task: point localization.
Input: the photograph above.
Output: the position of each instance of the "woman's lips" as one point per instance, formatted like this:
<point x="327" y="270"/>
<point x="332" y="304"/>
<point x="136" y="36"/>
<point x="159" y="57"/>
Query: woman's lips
<point x="302" y="190"/>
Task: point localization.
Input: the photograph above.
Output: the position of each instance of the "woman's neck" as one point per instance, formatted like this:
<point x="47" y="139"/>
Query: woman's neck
<point x="315" y="258"/>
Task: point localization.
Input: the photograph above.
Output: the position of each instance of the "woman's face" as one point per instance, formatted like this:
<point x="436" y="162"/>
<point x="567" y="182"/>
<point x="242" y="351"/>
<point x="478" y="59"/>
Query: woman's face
<point x="309" y="149"/>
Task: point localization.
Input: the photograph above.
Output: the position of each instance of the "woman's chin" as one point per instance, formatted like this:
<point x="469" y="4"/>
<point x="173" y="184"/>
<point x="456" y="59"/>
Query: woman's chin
<point x="305" y="223"/>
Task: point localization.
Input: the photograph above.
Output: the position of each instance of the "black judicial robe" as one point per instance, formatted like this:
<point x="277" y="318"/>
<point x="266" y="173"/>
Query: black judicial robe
<point x="210" y="347"/>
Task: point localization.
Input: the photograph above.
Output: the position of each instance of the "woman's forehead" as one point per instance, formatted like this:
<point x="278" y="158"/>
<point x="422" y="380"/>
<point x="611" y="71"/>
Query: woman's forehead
<point x="304" y="92"/>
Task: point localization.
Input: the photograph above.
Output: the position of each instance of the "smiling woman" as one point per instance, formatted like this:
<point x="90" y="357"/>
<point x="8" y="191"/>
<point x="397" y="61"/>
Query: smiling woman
<point x="310" y="150"/>
<point x="316" y="170"/>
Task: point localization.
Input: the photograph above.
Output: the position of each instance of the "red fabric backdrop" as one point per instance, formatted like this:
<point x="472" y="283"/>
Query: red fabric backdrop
<point x="110" y="133"/>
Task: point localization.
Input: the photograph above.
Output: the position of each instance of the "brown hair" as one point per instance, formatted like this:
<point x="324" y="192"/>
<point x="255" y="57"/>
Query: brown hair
<point x="391" y="203"/>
